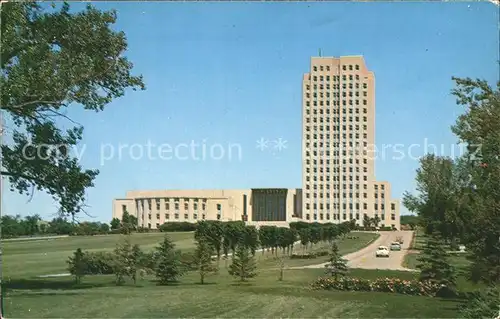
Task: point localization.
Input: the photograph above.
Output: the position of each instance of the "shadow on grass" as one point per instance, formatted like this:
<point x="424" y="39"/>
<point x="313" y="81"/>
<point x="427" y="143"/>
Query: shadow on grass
<point x="39" y="284"/>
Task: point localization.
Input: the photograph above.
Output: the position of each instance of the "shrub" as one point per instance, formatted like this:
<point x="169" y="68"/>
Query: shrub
<point x="99" y="263"/>
<point x="482" y="304"/>
<point x="395" y="285"/>
<point x="177" y="227"/>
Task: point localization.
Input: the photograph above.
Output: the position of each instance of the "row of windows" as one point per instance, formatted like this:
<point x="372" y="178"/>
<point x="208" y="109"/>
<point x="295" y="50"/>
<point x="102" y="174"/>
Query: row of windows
<point x="335" y="169"/>
<point x="344" y="216"/>
<point x="336" y="78"/>
<point x="336" y="153"/>
<point x="321" y="119"/>
<point x="326" y="145"/>
<point x="326" y="128"/>
<point x="336" y="86"/>
<point x="344" y="67"/>
<point x="176" y="204"/>
<point x="344" y="161"/>
<point x="351" y="206"/>
<point x="335" y="103"/>
<point x="337" y="111"/>
<point x="336" y="94"/>
<point x="336" y="178"/>
<point x="177" y="215"/>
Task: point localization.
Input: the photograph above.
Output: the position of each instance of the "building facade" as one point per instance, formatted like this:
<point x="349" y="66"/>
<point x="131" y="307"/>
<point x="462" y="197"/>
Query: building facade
<point x="261" y="206"/>
<point x="338" y="134"/>
<point x="338" y="169"/>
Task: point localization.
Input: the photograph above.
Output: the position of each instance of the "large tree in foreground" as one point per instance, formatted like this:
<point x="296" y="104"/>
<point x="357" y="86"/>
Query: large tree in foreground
<point x="460" y="198"/>
<point x="52" y="60"/>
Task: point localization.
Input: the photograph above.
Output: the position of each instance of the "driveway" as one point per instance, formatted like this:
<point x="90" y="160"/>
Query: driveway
<point x="365" y="258"/>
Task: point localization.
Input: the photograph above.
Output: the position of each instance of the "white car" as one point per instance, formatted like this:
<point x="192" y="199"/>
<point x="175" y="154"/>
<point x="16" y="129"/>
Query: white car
<point x="382" y="251"/>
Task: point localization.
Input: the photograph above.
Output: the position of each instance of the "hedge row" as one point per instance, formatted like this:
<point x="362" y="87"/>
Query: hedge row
<point x="177" y="227"/>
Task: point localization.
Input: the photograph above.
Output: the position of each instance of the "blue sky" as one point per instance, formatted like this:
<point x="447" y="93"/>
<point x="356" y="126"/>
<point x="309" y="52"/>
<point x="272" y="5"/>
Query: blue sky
<point x="230" y="73"/>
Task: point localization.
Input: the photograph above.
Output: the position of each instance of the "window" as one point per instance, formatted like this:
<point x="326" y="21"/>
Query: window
<point x="315" y="68"/>
<point x="357" y="67"/>
<point x="157" y="216"/>
<point x="124" y="208"/>
<point x="393" y="206"/>
<point x="186" y="216"/>
<point x="219" y="207"/>
<point x="186" y="206"/>
<point x="176" y="216"/>
<point x="167" y="216"/>
<point x="393" y="216"/>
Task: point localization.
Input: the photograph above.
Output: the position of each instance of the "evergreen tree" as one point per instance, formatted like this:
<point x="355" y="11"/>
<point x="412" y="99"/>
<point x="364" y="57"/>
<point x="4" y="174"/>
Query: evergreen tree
<point x="121" y="262"/>
<point x="434" y="265"/>
<point x="77" y="265"/>
<point x="337" y="266"/>
<point x="203" y="259"/>
<point x="168" y="266"/>
<point x="243" y="265"/>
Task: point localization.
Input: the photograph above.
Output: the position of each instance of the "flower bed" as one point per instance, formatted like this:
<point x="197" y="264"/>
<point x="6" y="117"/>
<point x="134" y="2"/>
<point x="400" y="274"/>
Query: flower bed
<point x="395" y="285"/>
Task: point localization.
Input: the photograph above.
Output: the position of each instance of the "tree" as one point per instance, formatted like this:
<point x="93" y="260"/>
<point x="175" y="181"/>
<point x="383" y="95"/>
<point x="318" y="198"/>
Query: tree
<point x="478" y="128"/>
<point x="304" y="235"/>
<point x="52" y="60"/>
<point x="337" y="266"/>
<point x="250" y="238"/>
<point x="203" y="259"/>
<point x="121" y="260"/>
<point x="60" y="226"/>
<point x="434" y="265"/>
<point x="31" y="224"/>
<point x="77" y="265"/>
<point x="11" y="226"/>
<point x="366" y="221"/>
<point x="168" y="264"/>
<point x="459" y="197"/>
<point x="438" y="193"/>
<point x="115" y="223"/>
<point x="243" y="265"/>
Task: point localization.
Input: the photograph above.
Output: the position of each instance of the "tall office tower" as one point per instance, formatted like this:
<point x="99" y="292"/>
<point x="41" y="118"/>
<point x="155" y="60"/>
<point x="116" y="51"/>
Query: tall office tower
<point x="338" y="178"/>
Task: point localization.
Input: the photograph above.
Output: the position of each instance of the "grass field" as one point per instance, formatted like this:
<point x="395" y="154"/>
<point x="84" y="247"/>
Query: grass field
<point x="24" y="259"/>
<point x="264" y="296"/>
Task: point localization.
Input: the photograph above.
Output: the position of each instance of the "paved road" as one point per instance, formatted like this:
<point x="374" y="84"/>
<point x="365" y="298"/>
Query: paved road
<point x="365" y="258"/>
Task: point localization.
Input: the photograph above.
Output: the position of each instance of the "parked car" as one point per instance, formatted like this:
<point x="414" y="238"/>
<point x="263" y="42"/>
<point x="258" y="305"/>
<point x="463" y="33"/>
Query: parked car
<point x="395" y="246"/>
<point x="399" y="239"/>
<point x="382" y="251"/>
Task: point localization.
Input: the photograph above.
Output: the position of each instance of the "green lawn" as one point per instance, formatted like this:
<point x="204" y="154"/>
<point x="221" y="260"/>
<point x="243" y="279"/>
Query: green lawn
<point x="22" y="259"/>
<point x="264" y="296"/>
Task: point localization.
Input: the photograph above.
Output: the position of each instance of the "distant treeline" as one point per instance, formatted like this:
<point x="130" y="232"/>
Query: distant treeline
<point x="15" y="226"/>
